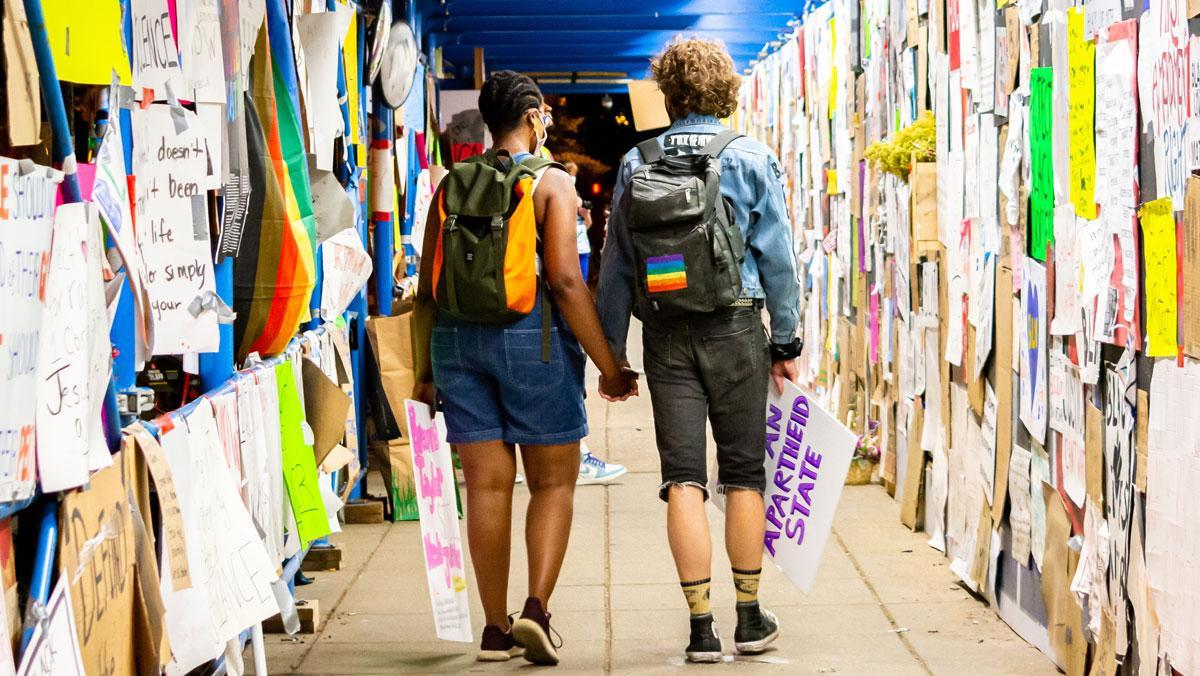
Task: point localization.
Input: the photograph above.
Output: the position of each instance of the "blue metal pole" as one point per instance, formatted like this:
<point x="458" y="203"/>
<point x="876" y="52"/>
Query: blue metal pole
<point x="357" y="314"/>
<point x="122" y="333"/>
<point x="217" y="367"/>
<point x="382" y="197"/>
<point x="43" y="565"/>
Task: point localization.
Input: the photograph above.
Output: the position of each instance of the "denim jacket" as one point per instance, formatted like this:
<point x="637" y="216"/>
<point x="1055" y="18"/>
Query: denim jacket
<point x="751" y="181"/>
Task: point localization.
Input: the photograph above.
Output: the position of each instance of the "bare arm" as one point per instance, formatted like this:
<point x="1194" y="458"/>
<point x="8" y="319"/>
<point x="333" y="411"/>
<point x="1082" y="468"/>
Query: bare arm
<point x="554" y="204"/>
<point x="424" y="309"/>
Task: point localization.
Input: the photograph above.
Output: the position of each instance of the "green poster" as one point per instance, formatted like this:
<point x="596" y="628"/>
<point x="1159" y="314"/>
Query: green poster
<point x="299" y="463"/>
<point x="1041" y="157"/>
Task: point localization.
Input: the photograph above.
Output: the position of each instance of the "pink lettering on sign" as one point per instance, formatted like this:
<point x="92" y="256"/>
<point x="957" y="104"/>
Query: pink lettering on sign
<point x="446" y="556"/>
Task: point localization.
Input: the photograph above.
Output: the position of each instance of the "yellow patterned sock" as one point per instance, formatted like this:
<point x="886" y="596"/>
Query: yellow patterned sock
<point x="746" y="583"/>
<point x="696" y="594"/>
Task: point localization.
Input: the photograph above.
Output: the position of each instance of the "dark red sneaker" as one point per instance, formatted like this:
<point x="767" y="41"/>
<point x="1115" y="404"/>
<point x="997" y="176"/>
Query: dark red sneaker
<point x="498" y="645"/>
<point x="533" y="632"/>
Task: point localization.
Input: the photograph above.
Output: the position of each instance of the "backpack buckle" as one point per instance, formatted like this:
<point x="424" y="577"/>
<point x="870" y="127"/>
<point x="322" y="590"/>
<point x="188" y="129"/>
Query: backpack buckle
<point x="498" y="222"/>
<point x="451" y="222"/>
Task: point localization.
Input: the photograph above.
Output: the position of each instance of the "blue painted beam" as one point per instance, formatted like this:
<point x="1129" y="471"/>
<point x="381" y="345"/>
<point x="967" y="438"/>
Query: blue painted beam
<point x="742" y="23"/>
<point x="434" y="8"/>
<point x="645" y="39"/>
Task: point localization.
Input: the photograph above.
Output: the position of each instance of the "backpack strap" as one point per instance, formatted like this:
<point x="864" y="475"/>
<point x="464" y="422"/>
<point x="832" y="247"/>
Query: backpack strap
<point x="651" y="150"/>
<point x="539" y="165"/>
<point x="717" y="144"/>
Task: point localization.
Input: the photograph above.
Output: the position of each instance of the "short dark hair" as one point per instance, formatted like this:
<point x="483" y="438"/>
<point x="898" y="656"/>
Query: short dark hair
<point x="505" y="97"/>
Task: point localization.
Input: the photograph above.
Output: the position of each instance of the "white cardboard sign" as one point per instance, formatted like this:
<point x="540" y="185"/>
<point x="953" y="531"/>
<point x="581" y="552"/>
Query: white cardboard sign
<point x="807" y="457"/>
<point x="433" y="473"/>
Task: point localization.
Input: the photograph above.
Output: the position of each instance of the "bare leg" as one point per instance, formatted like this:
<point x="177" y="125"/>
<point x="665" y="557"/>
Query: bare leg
<point x="490" y="468"/>
<point x="551" y="472"/>
<point x="744" y="527"/>
<point x="687" y="531"/>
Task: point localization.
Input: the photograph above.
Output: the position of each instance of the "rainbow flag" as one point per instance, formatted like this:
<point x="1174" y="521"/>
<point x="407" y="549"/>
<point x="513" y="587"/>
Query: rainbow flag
<point x="665" y="273"/>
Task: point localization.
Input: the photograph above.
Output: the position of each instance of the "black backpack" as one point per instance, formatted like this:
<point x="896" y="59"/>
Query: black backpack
<point x="688" y="249"/>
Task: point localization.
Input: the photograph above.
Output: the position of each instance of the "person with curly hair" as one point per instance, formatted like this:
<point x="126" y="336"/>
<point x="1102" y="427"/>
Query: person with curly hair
<point x="712" y="366"/>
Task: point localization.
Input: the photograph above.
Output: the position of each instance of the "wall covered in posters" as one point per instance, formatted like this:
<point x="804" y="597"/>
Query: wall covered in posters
<point x="1005" y="292"/>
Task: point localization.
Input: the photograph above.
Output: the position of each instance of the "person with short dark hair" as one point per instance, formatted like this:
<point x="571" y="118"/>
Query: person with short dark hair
<point x="518" y="384"/>
<point x="708" y="366"/>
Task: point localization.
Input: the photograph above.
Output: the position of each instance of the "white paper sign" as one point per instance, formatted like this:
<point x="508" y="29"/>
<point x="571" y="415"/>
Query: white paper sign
<point x="200" y="44"/>
<point x="1033" y="350"/>
<point x="230" y="571"/>
<point x="433" y="478"/>
<point x="26" y="209"/>
<point x="808" y="455"/>
<point x="346" y="266"/>
<point x="54" y="648"/>
<point x="75" y="356"/>
<point x="172" y="217"/>
<point x="155" y="58"/>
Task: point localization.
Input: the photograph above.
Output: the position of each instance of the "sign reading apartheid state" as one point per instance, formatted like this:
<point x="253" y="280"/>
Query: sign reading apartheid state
<point x="808" y="456"/>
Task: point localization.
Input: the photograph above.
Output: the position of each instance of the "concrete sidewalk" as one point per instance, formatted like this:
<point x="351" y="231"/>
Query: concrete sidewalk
<point x="884" y="602"/>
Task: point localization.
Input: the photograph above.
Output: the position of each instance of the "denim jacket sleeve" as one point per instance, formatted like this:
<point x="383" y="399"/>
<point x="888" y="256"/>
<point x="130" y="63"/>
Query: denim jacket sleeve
<point x="615" y="290"/>
<point x="770" y="243"/>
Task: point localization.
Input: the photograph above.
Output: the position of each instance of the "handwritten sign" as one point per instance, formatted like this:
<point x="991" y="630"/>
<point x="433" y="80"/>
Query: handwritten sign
<point x="1033" y="350"/>
<point x="26" y="209"/>
<point x="110" y="194"/>
<point x="75" y="356"/>
<point x="1041" y="151"/>
<point x="155" y="57"/>
<point x="174" y="536"/>
<point x="54" y="650"/>
<point x="200" y="44"/>
<point x="437" y="505"/>
<point x="85" y="38"/>
<point x="230" y="572"/>
<point x="808" y="455"/>
<point x="1081" y="60"/>
<point x="172" y="217"/>
<point x="1162" y="299"/>
<point x="97" y="561"/>
<point x="347" y="266"/>
<point x="1163" y="63"/>
<point x="299" y="464"/>
<point x="1119" y="474"/>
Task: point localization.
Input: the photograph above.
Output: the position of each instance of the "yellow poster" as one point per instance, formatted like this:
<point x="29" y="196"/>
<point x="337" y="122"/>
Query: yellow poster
<point x="87" y="40"/>
<point x="350" y="58"/>
<point x="1081" y="63"/>
<point x="1162" y="291"/>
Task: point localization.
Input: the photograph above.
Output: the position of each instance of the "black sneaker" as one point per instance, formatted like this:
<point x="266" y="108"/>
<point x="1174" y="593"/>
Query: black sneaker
<point x="533" y="631"/>
<point x="498" y="645"/>
<point x="704" y="645"/>
<point x="756" y="629"/>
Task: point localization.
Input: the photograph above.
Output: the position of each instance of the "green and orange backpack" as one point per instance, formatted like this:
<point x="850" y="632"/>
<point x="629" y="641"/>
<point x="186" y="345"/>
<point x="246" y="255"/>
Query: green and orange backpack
<point x="485" y="260"/>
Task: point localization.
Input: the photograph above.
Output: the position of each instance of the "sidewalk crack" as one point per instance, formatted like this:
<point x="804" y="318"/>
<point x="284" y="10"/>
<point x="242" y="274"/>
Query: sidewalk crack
<point x="862" y="575"/>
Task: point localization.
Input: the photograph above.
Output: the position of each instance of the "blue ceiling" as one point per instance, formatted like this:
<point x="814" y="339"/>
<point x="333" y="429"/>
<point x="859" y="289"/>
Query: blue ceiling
<point x="617" y="37"/>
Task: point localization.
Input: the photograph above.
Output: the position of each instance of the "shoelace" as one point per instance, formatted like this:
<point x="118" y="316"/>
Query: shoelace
<point x="589" y="459"/>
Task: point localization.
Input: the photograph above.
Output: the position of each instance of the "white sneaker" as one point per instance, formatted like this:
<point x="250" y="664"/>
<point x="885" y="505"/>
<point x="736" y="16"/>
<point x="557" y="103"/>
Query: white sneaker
<point x="593" y="470"/>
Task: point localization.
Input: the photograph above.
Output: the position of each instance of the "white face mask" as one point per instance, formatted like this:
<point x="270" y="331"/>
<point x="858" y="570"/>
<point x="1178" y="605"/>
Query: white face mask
<point x="573" y="179"/>
<point x="540" y="137"/>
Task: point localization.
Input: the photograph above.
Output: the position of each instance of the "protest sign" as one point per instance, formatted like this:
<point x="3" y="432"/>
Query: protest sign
<point x="26" y="209"/>
<point x="85" y="39"/>
<point x="174" y="535"/>
<point x="230" y="571"/>
<point x="155" y="57"/>
<point x="439" y="524"/>
<point x="347" y="266"/>
<point x="53" y="650"/>
<point x="1033" y="351"/>
<point x="97" y="561"/>
<point x="299" y="464"/>
<point x="171" y="163"/>
<point x="75" y="355"/>
<point x="807" y="456"/>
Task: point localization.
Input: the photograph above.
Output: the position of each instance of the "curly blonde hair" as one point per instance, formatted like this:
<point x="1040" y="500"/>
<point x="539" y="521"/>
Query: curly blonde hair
<point x="696" y="76"/>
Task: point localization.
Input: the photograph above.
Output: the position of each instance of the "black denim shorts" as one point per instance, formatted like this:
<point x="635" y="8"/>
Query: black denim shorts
<point x="713" y="367"/>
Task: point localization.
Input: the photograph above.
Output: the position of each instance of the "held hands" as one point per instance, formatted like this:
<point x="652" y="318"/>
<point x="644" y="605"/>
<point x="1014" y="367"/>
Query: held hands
<point x="619" y="387"/>
<point x="782" y="370"/>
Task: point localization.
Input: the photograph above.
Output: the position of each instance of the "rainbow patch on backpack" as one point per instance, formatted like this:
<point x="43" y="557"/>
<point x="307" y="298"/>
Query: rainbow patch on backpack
<point x="665" y="273"/>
